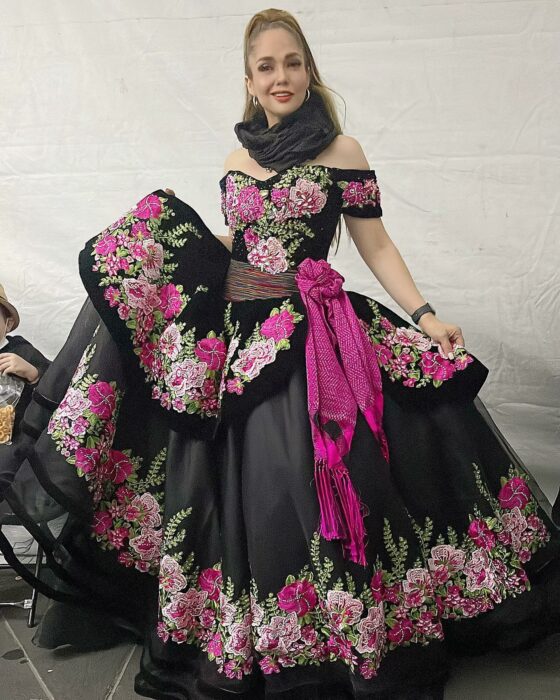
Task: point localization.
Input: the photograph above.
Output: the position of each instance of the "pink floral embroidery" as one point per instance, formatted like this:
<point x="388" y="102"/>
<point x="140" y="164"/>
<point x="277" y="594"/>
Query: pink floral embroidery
<point x="169" y="344"/>
<point x="278" y="326"/>
<point x="212" y="351"/>
<point x="134" y="255"/>
<point x="359" y="194"/>
<point x="299" y="597"/>
<point x="343" y="608"/>
<point x="254" y="358"/>
<point x="141" y="295"/>
<point x="270" y="337"/>
<point x="152" y="259"/>
<point x="405" y="355"/>
<point x="514" y="494"/>
<point x="250" y="205"/>
<point x="73" y="404"/>
<point x="372" y="631"/>
<point x="210" y="580"/>
<point x="171" y="301"/>
<point x="481" y="534"/>
<point x="268" y="255"/>
<point x="186" y="375"/>
<point x="271" y="243"/>
<point x="148" y="208"/>
<point x="102" y="399"/>
<point x="306" y="197"/>
<point x="308" y="623"/>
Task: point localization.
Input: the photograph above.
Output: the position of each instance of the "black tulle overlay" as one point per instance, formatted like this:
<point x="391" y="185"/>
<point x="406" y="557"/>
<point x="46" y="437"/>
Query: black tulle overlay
<point x="180" y="455"/>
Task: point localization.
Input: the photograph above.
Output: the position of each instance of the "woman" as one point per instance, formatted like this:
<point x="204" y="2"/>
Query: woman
<point x="283" y="489"/>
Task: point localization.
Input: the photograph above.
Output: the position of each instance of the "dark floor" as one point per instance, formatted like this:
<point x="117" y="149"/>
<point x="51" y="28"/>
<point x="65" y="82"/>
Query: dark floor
<point x="30" y="673"/>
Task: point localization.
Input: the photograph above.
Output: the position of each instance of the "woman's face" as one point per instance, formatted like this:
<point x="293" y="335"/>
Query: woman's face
<point x="279" y="77"/>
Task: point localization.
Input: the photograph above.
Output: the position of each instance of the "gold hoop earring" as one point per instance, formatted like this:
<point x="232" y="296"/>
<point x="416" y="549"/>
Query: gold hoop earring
<point x="255" y="102"/>
<point x="308" y="94"/>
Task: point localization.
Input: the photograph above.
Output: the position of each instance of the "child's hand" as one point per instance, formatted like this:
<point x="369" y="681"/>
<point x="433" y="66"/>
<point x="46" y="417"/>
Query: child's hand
<point x="10" y="363"/>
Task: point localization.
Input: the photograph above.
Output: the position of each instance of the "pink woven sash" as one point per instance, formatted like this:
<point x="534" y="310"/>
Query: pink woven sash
<point x="342" y="375"/>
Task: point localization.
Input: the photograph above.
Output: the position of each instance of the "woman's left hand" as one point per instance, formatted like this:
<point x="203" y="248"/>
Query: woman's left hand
<point x="446" y="335"/>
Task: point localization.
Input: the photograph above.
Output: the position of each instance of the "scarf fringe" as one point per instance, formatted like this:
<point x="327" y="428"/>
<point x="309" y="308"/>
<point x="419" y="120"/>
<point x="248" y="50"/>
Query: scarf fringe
<point x="341" y="509"/>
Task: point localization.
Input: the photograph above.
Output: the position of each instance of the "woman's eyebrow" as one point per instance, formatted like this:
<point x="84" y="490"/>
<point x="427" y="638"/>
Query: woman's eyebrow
<point x="271" y="58"/>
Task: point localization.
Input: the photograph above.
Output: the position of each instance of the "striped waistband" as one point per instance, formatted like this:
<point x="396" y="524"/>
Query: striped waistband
<point x="244" y="282"/>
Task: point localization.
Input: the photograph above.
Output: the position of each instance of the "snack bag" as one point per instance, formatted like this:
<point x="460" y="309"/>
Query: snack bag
<point x="11" y="389"/>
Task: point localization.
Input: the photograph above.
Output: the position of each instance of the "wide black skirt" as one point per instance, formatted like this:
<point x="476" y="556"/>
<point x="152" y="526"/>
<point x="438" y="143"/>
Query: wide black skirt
<point x="206" y="549"/>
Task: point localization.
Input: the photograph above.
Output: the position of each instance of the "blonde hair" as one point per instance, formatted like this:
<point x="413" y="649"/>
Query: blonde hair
<point x="274" y="19"/>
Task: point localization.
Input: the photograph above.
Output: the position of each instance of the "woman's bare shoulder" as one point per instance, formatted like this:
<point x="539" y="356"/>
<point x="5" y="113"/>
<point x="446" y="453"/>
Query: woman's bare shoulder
<point x="346" y="152"/>
<point x="235" y="159"/>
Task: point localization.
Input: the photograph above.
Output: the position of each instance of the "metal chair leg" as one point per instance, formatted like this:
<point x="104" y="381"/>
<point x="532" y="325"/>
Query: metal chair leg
<point x="34" y="596"/>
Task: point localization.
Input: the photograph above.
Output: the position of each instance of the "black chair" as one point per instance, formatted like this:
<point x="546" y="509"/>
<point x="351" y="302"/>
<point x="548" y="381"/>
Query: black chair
<point x="28" y="603"/>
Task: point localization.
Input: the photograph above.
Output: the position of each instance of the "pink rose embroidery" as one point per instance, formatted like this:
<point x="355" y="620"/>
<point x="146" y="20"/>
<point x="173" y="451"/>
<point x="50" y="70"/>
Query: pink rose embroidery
<point x="183" y="607"/>
<point x="210" y="581"/>
<point x="212" y="351"/>
<point x="268" y="255"/>
<point x="185" y="375"/>
<point x="514" y="493"/>
<point x="433" y="365"/>
<point x="106" y="246"/>
<point x="306" y="197"/>
<point x="239" y="641"/>
<point x="141" y="295"/>
<point x="479" y="571"/>
<point x="250" y="205"/>
<point x="102" y="399"/>
<point x="148" y="512"/>
<point x="299" y="597"/>
<point x="372" y="631"/>
<point x="278" y="326"/>
<point x="448" y="557"/>
<point x="171" y="577"/>
<point x="170" y="301"/>
<point x="147" y="544"/>
<point x="343" y="608"/>
<point x="281" y="634"/>
<point x="87" y="459"/>
<point x="481" y="535"/>
<point x="148" y="208"/>
<point x="251" y="360"/>
<point x="73" y="404"/>
<point x="121" y="466"/>
<point x="401" y="632"/>
<point x="102" y="521"/>
<point x="408" y="336"/>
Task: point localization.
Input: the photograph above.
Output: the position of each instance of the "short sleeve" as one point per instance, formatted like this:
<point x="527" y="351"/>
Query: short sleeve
<point x="359" y="192"/>
<point x="223" y="200"/>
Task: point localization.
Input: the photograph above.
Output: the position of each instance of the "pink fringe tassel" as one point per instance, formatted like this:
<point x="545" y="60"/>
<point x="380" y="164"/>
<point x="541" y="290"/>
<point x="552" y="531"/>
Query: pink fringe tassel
<point x="341" y="509"/>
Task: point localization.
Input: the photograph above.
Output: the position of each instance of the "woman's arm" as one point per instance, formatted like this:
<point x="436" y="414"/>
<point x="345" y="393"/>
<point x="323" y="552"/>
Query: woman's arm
<point x="384" y="260"/>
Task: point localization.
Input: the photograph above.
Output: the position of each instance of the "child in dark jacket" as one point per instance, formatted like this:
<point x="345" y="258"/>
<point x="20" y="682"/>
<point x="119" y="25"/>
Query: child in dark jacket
<point x="18" y="357"/>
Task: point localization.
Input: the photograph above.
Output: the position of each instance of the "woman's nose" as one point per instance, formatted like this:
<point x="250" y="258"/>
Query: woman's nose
<point x="281" y="75"/>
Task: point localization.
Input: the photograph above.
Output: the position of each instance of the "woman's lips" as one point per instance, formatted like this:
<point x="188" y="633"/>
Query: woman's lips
<point x="283" y="98"/>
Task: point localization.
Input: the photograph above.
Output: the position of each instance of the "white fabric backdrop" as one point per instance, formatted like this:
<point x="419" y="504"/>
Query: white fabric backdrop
<point x="456" y="105"/>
